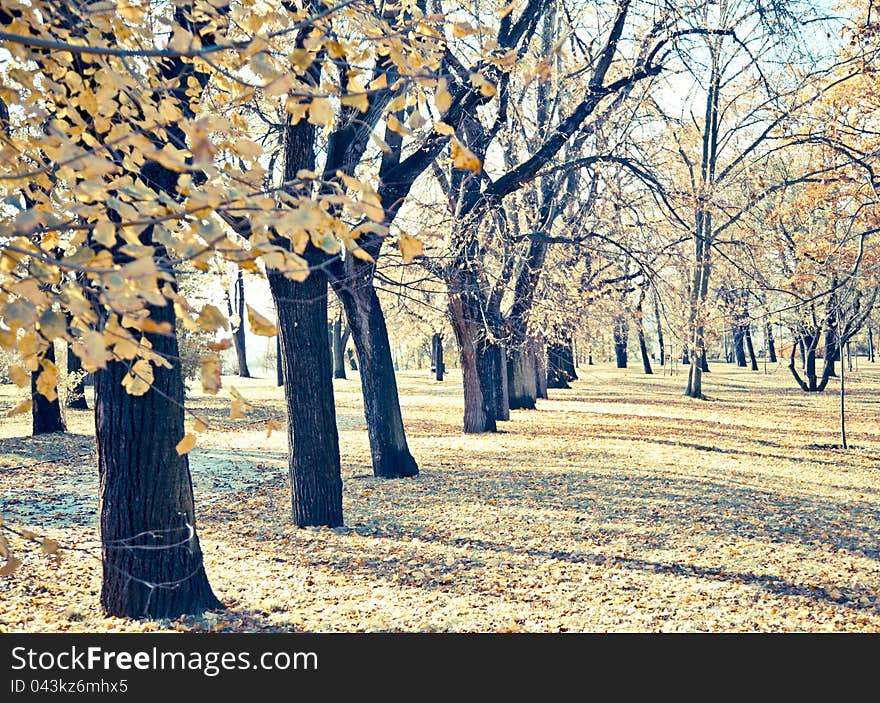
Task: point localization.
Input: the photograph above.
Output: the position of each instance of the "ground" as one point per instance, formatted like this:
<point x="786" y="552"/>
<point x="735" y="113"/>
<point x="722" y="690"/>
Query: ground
<point x="618" y="505"/>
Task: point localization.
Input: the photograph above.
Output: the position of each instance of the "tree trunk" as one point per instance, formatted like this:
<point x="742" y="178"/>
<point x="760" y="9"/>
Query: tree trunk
<point x="315" y="477"/>
<point x="388" y="446"/>
<point x="646" y="361"/>
<point x="557" y="376"/>
<point x="478" y="417"/>
<point x="747" y="333"/>
<point x="45" y="414"/>
<point x="77" y="398"/>
<point x="313" y="440"/>
<point x="771" y="344"/>
<point x="739" y="350"/>
<point x="830" y="355"/>
<point x="492" y="368"/>
<point x="522" y="388"/>
<point x="438" y="367"/>
<point x="537" y="354"/>
<point x="621" y="334"/>
<point x="871" y="345"/>
<point x="340" y="339"/>
<point x="659" y="331"/>
<point x="704" y="361"/>
<point x="151" y="555"/>
<point x="352" y="361"/>
<point x="235" y="305"/>
<point x="685" y="357"/>
<point x="568" y="360"/>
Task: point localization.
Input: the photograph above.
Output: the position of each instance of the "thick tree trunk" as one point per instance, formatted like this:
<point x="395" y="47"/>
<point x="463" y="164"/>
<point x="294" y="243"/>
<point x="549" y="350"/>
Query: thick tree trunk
<point x="747" y="333"/>
<point x="77" y="399"/>
<point x="522" y="388"/>
<point x="315" y="478"/>
<point x="388" y="446"/>
<point x="771" y="344"/>
<point x="478" y="416"/>
<point x="492" y="368"/>
<point x="235" y="304"/>
<point x="871" y="345"/>
<point x="45" y="414"/>
<point x="557" y="376"/>
<point x="151" y="555"/>
<point x="685" y="357"/>
<point x="704" y="361"/>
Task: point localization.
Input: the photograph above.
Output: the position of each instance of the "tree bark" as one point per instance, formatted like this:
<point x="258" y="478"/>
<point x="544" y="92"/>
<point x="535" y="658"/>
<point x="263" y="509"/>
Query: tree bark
<point x="747" y="333"/>
<point x="557" y="376"/>
<point x="151" y="554"/>
<point x="438" y="367"/>
<point x="45" y="414"/>
<point x="659" y="330"/>
<point x="478" y="416"/>
<point x="739" y="350"/>
<point x="870" y="345"/>
<point x="340" y="339"/>
<point x="521" y="379"/>
<point x="621" y="334"/>
<point x="279" y="362"/>
<point x="540" y="369"/>
<point x="315" y="476"/>
<point x="643" y="347"/>
<point x="771" y="343"/>
<point x="388" y="446"/>
<point x="492" y="363"/>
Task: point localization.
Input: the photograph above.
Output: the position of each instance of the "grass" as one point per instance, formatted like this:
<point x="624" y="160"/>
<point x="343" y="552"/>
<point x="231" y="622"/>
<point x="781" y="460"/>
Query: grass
<point x="617" y="505"/>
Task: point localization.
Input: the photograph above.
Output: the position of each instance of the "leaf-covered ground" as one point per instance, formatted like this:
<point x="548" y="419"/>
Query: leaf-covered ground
<point x="617" y="505"/>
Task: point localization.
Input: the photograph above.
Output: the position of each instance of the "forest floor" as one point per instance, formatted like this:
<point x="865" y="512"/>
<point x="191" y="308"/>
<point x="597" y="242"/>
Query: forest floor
<point x="618" y="505"/>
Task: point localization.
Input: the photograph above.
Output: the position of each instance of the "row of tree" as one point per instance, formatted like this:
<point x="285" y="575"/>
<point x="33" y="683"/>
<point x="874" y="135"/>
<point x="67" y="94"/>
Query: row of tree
<point x="531" y="161"/>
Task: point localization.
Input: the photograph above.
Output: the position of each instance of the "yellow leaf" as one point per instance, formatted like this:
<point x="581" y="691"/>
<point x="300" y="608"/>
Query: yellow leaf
<point x="139" y="379"/>
<point x="47" y="380"/>
<point x="221" y="345"/>
<point x="23" y="407"/>
<point x="49" y="546"/>
<point x="320" y="112"/>
<point x="211" y="319"/>
<point x="52" y="324"/>
<point x="462" y="157"/>
<point x="479" y="81"/>
<point x="410" y="247"/>
<point x="358" y="100"/>
<point x="90" y="348"/>
<point x="259" y="324"/>
<point x="185" y="445"/>
<point x="19" y="376"/>
<point x="444" y="129"/>
<point x="10" y="566"/>
<point x="210" y="373"/>
<point x="395" y="125"/>
<point x="239" y="406"/>
<point x="270" y="427"/>
<point x="200" y="425"/>
<point x="442" y="97"/>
